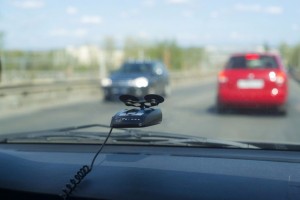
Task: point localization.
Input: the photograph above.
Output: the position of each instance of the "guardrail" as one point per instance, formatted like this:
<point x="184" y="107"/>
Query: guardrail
<point x="295" y="74"/>
<point x="18" y="96"/>
<point x="81" y="84"/>
<point x="27" y="89"/>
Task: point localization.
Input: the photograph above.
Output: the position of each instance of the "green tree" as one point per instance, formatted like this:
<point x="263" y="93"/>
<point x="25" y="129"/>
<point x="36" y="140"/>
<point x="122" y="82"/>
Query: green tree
<point x="171" y="53"/>
<point x="1" y="48"/>
<point x="168" y="51"/>
<point x="294" y="58"/>
<point x="132" y="48"/>
<point x="284" y="50"/>
<point x="1" y="40"/>
<point x="192" y="57"/>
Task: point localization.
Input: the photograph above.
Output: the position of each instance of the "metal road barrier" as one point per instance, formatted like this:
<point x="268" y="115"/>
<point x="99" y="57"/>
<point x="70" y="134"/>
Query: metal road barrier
<point x="17" y="96"/>
<point x="295" y="74"/>
<point x="34" y="88"/>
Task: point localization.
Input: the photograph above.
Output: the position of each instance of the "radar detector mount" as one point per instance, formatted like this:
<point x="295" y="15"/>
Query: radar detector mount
<point x="142" y="115"/>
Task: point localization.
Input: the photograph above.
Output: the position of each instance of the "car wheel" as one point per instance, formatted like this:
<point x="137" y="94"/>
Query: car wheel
<point x="282" y="110"/>
<point x="106" y="98"/>
<point x="220" y="109"/>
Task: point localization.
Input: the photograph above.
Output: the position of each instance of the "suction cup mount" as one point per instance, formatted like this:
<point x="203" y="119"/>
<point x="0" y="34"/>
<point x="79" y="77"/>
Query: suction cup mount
<point x="150" y="100"/>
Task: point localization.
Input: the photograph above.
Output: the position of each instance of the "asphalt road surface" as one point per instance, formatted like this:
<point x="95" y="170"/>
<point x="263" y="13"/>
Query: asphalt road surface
<point x="189" y="110"/>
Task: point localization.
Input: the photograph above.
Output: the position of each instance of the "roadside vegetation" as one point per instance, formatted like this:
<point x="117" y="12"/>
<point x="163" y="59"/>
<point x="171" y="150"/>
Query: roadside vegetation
<point x="291" y="55"/>
<point x="90" y="60"/>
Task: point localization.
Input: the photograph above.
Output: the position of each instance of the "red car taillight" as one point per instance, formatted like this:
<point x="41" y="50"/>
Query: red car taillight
<point x="222" y="78"/>
<point x="278" y="77"/>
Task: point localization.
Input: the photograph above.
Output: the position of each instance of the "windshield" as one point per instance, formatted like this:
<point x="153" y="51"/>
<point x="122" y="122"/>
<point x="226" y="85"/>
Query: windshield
<point x="241" y="62"/>
<point x="136" y="68"/>
<point x="58" y="60"/>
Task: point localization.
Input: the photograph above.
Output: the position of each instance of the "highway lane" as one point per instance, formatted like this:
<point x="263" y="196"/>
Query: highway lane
<point x="189" y="110"/>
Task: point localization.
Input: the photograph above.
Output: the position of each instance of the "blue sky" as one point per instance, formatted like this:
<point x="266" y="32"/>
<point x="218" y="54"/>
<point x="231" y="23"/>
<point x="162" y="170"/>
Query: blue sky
<point x="45" y="24"/>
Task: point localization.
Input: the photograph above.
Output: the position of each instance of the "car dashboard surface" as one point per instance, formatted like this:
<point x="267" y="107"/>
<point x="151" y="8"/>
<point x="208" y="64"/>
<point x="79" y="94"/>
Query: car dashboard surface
<point x="41" y="171"/>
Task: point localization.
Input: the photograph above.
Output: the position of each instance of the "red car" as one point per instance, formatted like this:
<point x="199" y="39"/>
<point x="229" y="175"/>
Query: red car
<point x="253" y="80"/>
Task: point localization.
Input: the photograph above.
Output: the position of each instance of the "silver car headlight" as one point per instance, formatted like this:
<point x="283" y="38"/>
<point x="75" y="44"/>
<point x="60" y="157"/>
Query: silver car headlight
<point x="106" y="82"/>
<point x="140" y="82"/>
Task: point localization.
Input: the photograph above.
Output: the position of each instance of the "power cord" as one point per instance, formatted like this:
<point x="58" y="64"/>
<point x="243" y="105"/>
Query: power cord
<point x="82" y="172"/>
<point x="150" y="100"/>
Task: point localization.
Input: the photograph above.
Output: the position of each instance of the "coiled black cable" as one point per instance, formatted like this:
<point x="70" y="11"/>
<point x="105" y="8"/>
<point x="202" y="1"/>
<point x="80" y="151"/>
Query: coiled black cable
<point x="70" y="187"/>
<point x="81" y="173"/>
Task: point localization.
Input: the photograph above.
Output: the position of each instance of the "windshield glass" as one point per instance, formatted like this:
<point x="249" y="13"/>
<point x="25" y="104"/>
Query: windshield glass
<point x="241" y="62"/>
<point x="136" y="68"/>
<point x="59" y="58"/>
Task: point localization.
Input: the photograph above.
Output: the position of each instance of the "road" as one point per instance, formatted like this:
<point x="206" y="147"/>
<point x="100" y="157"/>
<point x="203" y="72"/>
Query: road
<point x="189" y="110"/>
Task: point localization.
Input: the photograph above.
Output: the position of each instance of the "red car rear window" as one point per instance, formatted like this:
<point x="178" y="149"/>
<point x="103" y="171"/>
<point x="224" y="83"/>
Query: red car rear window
<point x="252" y="61"/>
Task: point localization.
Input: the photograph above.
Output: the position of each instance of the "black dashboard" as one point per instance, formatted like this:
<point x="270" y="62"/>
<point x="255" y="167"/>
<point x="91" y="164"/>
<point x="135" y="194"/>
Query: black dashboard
<point x="40" y="171"/>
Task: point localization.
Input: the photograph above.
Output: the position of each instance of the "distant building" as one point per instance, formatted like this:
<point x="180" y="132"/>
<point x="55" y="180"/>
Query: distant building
<point x="90" y="54"/>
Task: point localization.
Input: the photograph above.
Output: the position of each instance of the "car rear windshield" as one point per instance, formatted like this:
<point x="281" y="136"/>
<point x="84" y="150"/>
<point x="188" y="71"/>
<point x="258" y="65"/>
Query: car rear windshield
<point x="252" y="62"/>
<point x="137" y="68"/>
